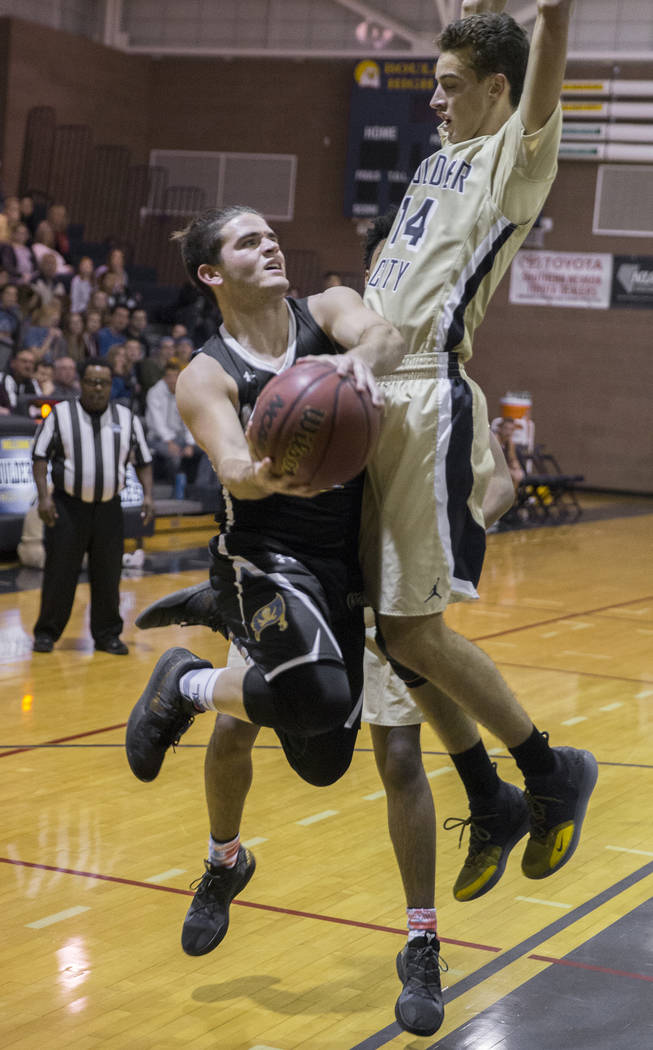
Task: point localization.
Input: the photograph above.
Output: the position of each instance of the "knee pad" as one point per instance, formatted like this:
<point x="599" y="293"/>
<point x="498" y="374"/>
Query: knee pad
<point x="306" y="700"/>
<point x="410" y="678"/>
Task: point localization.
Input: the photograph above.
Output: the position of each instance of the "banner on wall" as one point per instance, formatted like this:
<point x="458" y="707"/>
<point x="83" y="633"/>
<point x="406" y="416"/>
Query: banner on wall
<point x="17" y="488"/>
<point x="561" y="279"/>
<point x="632" y="281"/>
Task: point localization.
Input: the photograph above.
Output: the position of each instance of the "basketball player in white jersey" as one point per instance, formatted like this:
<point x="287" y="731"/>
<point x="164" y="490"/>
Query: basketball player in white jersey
<point x="465" y="214"/>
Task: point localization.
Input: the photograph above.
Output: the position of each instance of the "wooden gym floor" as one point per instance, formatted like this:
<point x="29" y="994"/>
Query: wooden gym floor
<point x="96" y="866"/>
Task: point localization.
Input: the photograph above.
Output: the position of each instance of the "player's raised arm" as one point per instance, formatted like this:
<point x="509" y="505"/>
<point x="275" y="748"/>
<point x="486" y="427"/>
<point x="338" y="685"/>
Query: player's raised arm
<point x="546" y="63"/>
<point x="371" y="341"/>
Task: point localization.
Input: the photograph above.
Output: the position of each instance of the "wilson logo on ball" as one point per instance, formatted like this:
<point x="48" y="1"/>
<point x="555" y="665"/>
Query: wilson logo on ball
<point x="302" y="441"/>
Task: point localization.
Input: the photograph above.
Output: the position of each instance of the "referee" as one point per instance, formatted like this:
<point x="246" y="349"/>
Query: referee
<point x="88" y="442"/>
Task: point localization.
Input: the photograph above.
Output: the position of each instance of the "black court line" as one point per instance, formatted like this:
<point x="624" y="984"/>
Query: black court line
<point x="613" y="1014"/>
<point x="522" y="950"/>
<point x="62" y="746"/>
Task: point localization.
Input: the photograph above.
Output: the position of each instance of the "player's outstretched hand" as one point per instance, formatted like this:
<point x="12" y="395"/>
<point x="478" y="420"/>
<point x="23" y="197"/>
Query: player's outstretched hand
<point x="351" y="365"/>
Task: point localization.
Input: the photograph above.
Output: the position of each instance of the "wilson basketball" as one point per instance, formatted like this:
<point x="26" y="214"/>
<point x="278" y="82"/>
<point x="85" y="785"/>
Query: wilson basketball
<point x="314" y="425"/>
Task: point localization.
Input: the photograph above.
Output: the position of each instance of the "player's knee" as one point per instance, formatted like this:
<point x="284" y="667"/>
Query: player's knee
<point x="306" y="700"/>
<point x="316" y="697"/>
<point x="399" y="759"/>
<point x="231" y="736"/>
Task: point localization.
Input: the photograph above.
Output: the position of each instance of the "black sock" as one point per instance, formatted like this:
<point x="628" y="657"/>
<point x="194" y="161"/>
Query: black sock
<point x="534" y="757"/>
<point x="477" y="772"/>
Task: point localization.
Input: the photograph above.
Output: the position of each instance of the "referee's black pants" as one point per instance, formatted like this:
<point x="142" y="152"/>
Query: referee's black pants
<point x="96" y="528"/>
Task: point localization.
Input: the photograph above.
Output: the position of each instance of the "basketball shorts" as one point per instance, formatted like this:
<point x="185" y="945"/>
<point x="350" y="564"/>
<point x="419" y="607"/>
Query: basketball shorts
<point x="283" y="613"/>
<point x="422" y="540"/>
<point x="386" y="699"/>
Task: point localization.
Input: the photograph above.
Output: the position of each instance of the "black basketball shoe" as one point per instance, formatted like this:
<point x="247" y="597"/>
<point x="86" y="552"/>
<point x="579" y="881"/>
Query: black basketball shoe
<point x="495" y="827"/>
<point x="161" y="714"/>
<point x="558" y="803"/>
<point x="207" y="919"/>
<point x="191" y="607"/>
<point x="420" y="1006"/>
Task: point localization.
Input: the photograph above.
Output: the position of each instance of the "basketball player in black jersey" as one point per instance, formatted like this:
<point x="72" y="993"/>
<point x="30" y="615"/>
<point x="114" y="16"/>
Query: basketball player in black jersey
<point x="284" y="566"/>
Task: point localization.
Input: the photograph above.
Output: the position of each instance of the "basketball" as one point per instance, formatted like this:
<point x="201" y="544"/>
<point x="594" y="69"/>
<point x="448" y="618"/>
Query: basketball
<point x="314" y="425"/>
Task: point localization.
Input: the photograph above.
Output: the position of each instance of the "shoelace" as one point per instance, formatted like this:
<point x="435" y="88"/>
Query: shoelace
<point x="478" y="835"/>
<point x="180" y="732"/>
<point x="538" y="812"/>
<point x="428" y="959"/>
<point x="208" y="878"/>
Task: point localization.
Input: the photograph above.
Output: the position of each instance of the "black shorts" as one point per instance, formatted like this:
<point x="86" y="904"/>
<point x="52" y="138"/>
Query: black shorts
<point x="291" y="616"/>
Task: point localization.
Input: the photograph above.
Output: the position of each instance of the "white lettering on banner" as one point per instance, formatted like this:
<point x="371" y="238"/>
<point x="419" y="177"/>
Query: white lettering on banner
<point x="581" y="279"/>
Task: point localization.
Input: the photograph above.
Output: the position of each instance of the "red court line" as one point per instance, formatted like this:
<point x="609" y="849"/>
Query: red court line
<point x="322" y="918"/>
<point x="62" y="740"/>
<point x="596" y="969"/>
<point x="561" y="616"/>
<point x="581" y="674"/>
<point x="244" y="904"/>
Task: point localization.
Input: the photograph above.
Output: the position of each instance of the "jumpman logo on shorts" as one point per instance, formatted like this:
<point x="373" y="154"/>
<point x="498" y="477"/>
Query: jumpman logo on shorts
<point x="434" y="593"/>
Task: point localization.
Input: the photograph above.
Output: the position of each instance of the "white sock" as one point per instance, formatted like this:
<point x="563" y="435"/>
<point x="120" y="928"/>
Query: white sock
<point x="198" y="686"/>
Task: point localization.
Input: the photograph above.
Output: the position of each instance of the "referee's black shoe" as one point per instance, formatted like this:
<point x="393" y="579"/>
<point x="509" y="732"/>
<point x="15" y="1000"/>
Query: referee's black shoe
<point x="190" y="607"/>
<point x="161" y="714"/>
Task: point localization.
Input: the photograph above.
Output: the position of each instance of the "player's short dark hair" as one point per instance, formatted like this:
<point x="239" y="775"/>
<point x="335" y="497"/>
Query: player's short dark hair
<point x="496" y="43"/>
<point x="378" y="231"/>
<point x="201" y="241"/>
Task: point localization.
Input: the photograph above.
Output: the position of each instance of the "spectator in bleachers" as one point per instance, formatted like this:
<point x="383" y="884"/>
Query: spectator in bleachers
<point x="179" y="331"/>
<point x="153" y="367"/>
<point x="331" y="279"/>
<point x="99" y="301"/>
<point x="58" y="219"/>
<point x="115" y="265"/>
<point x="82" y="285"/>
<point x="16" y="256"/>
<point x="28" y="214"/>
<point x="92" y="325"/>
<point x="48" y="284"/>
<point x="135" y="354"/>
<point x="184" y="350"/>
<point x="73" y="333"/>
<point x="44" y="242"/>
<point x="138" y="329"/>
<point x="42" y="334"/>
<point x="66" y="379"/>
<point x="44" y="378"/>
<point x="11" y="320"/>
<point x="167" y="434"/>
<point x="18" y="378"/>
<point x="114" y="331"/>
<point x="121" y="389"/>
<point x="9" y="218"/>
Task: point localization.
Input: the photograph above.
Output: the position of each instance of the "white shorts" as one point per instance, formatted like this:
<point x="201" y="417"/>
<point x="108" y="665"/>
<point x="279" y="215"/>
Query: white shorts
<point x="422" y="537"/>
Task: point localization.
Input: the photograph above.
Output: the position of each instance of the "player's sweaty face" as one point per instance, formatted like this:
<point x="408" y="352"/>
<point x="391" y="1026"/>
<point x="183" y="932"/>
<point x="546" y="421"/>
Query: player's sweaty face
<point x="460" y="99"/>
<point x="250" y="251"/>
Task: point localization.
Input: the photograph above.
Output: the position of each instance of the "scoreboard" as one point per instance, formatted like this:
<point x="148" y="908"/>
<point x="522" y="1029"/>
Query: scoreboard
<point x="391" y="130"/>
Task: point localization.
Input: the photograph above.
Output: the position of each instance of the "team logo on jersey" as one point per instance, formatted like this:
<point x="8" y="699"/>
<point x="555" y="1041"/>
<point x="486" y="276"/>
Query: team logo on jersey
<point x="268" y="615"/>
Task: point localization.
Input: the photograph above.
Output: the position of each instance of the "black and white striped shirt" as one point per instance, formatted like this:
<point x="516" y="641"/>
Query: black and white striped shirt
<point x="89" y="452"/>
